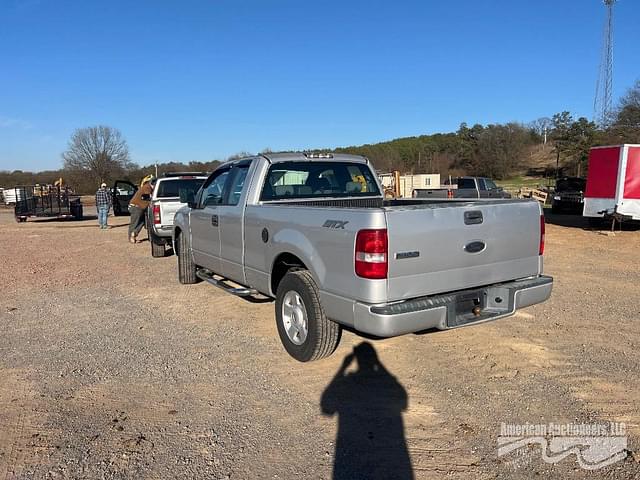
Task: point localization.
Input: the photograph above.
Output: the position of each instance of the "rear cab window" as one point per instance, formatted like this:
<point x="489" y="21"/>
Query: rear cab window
<point x="172" y="187"/>
<point x="313" y="179"/>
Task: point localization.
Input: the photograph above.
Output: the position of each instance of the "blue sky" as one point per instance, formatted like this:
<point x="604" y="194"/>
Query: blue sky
<point x="201" y="80"/>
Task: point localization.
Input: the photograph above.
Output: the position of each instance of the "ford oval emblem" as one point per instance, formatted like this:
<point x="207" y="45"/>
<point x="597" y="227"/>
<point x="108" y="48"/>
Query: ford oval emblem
<point x="475" y="247"/>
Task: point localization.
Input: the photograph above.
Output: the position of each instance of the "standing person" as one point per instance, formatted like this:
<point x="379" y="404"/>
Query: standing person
<point x="103" y="205"/>
<point x="138" y="207"/>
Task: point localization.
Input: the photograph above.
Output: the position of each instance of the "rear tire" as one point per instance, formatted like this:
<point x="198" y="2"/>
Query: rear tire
<point x="322" y="335"/>
<point x="157" y="249"/>
<point x="78" y="212"/>
<point x="186" y="267"/>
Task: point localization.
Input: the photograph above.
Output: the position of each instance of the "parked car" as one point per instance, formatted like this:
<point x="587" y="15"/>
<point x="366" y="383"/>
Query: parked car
<point x="568" y="196"/>
<point x="315" y="233"/>
<point x="165" y="202"/>
<point x="465" y="187"/>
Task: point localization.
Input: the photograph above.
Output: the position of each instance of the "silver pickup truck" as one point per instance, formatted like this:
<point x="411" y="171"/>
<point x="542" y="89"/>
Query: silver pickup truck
<point x="315" y="232"/>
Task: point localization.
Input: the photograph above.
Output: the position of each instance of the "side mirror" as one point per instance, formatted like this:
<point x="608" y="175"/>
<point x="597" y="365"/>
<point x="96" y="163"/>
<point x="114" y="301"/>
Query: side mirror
<point x="187" y="196"/>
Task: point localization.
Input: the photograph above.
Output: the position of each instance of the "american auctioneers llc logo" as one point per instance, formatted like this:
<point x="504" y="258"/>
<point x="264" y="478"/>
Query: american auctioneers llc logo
<point x="595" y="445"/>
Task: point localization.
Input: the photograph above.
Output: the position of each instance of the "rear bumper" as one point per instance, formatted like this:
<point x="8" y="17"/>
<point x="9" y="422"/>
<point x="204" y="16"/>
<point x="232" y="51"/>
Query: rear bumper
<point x="453" y="310"/>
<point x="163" y="232"/>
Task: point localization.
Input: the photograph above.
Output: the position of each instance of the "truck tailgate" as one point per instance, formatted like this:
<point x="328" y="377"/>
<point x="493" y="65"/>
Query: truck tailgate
<point x="435" y="248"/>
<point x="168" y="209"/>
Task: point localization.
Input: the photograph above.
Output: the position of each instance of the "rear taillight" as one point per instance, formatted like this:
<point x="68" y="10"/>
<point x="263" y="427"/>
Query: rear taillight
<point x="371" y="259"/>
<point x="542" y="230"/>
<point x="156" y="214"/>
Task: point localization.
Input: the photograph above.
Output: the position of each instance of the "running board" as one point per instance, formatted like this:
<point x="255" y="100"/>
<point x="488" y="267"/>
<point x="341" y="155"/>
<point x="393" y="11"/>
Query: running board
<point x="207" y="276"/>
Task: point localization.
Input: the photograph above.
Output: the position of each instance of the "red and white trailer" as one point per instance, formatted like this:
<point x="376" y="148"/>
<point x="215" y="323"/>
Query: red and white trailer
<point x="613" y="182"/>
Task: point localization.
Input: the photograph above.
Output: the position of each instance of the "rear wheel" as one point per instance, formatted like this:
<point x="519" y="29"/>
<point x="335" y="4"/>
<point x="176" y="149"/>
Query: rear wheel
<point x="304" y="329"/>
<point x="78" y="212"/>
<point x="186" y="267"/>
<point x="157" y="249"/>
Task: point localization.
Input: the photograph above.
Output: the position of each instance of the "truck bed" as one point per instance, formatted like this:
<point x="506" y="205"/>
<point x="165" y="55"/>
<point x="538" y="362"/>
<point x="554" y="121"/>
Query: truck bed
<point x="430" y="242"/>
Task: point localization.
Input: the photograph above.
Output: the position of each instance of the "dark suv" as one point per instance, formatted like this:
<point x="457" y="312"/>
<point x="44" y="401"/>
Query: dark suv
<point x="569" y="195"/>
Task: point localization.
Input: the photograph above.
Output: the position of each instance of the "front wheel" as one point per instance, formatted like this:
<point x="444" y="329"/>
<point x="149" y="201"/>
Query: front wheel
<point x="304" y="329"/>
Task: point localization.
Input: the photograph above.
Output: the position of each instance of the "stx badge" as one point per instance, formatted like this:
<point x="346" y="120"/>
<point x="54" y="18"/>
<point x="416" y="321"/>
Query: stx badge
<point x="335" y="224"/>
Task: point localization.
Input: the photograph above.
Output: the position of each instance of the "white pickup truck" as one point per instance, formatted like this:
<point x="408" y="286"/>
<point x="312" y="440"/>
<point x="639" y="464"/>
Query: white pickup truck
<point x="165" y="202"/>
<point x="315" y="233"/>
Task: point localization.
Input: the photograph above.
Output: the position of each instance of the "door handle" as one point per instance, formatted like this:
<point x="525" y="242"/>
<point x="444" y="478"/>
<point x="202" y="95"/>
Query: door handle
<point x="214" y="220"/>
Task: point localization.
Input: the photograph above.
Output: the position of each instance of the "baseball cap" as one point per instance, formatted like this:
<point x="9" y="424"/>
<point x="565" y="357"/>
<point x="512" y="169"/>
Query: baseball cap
<point x="103" y="184"/>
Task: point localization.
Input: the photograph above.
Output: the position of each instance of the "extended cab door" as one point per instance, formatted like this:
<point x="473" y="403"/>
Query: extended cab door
<point x="231" y="218"/>
<point x="205" y="224"/>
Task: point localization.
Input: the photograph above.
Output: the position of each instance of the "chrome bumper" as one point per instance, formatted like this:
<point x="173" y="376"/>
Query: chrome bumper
<point x="452" y="310"/>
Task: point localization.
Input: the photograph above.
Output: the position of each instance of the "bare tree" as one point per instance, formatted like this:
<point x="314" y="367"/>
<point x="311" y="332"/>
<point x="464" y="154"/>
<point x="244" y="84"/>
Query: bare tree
<point x="100" y="151"/>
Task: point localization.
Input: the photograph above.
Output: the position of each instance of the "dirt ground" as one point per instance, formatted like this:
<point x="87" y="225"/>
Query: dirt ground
<point x="111" y="369"/>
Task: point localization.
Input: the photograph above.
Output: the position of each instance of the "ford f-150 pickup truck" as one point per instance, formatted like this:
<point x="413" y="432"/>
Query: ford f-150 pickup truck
<point x="315" y="233"/>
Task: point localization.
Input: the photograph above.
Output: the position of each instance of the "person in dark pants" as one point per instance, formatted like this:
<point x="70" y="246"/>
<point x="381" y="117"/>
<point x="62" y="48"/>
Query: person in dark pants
<point x="138" y="207"/>
<point x="103" y="205"/>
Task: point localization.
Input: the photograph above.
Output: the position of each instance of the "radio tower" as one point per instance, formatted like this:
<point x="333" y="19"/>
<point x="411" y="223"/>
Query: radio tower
<point x="603" y="103"/>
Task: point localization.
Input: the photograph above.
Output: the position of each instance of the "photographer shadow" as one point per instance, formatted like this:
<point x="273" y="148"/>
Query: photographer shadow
<point x="370" y="443"/>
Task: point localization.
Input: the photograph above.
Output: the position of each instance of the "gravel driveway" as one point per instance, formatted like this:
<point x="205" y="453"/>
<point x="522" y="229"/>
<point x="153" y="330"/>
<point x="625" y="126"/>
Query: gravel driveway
<point x="111" y="369"/>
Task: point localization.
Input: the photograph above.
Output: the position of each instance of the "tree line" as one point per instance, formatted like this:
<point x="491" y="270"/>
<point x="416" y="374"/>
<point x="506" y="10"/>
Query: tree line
<point x="502" y="150"/>
<point x="97" y="154"/>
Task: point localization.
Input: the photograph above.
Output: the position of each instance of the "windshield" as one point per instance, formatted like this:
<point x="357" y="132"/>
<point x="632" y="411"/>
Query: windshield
<point x="172" y="187"/>
<point x="289" y="180"/>
<point x="570" y="185"/>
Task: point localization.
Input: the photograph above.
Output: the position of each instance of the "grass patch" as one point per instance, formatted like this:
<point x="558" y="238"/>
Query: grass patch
<point x="522" y="181"/>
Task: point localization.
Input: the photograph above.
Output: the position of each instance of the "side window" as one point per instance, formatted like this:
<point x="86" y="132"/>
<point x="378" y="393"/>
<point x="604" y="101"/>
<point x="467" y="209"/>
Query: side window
<point x="212" y="193"/>
<point x="490" y="184"/>
<point x="466" y="183"/>
<point x="481" y="185"/>
<point x="238" y="176"/>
